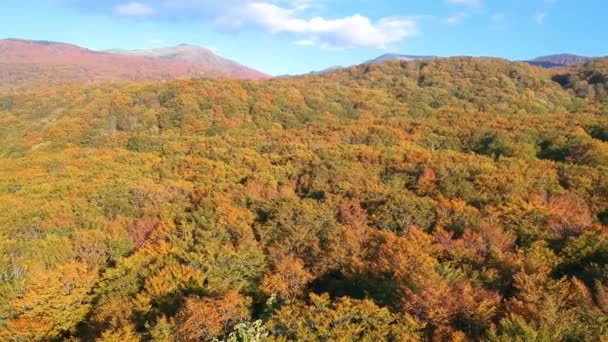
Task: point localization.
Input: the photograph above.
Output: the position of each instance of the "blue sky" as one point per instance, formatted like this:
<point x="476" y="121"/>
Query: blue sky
<point x="296" y="36"/>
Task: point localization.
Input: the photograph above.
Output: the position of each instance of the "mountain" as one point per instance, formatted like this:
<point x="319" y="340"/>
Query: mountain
<point x="457" y="199"/>
<point x="551" y="61"/>
<point x="560" y="60"/>
<point x="326" y="70"/>
<point x="27" y="64"/>
<point x="196" y="55"/>
<point x="398" y="57"/>
<point x="384" y="58"/>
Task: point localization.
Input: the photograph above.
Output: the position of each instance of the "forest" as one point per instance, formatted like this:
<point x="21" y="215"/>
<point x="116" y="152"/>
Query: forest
<point x="457" y="199"/>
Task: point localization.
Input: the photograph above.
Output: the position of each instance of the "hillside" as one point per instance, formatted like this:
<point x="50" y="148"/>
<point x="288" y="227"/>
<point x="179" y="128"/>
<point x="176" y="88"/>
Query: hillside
<point x="447" y="199"/>
<point x="29" y="64"/>
<point x="199" y="56"/>
<point x="560" y="60"/>
<point x="547" y="62"/>
<point x="588" y="81"/>
<point x="398" y="57"/>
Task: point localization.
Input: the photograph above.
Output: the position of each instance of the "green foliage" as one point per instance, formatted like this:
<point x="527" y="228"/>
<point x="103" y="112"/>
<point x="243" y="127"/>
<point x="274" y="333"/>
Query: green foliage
<point x="493" y="144"/>
<point x="342" y="320"/>
<point x="401" y="211"/>
<point x="144" y="144"/>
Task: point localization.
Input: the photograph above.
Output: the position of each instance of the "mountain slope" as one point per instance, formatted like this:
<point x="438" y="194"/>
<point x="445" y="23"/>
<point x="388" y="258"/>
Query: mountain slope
<point x="384" y="58"/>
<point x="550" y="61"/>
<point x="326" y="70"/>
<point x="26" y="65"/>
<point x="196" y="55"/>
<point x="560" y="60"/>
<point x="390" y="201"/>
<point x="398" y="57"/>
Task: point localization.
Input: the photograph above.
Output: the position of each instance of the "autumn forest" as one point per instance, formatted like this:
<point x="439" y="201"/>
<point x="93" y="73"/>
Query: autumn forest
<point x="449" y="199"/>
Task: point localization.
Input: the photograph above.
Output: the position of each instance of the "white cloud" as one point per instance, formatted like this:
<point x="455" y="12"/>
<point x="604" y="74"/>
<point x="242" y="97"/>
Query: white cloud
<point x="540" y="18"/>
<point x="221" y="7"/>
<point x="133" y="9"/>
<point x="300" y="19"/>
<point x="355" y="31"/>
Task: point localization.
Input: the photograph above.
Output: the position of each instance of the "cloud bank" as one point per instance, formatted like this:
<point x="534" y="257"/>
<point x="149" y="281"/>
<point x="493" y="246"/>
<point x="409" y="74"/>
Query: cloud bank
<point x="287" y="17"/>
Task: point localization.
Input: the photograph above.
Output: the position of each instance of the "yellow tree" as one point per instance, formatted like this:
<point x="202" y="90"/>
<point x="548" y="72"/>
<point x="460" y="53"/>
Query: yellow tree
<point x="54" y="303"/>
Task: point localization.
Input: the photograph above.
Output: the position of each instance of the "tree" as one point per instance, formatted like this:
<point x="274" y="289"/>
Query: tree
<point x="53" y="304"/>
<point x="341" y="320"/>
<point x="207" y="318"/>
<point x="289" y="279"/>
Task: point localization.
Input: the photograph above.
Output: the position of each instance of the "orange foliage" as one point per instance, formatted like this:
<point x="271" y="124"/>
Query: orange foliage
<point x="203" y="319"/>
<point x="288" y="280"/>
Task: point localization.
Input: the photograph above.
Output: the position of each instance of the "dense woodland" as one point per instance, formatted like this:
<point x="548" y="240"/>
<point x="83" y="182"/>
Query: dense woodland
<point x="447" y="200"/>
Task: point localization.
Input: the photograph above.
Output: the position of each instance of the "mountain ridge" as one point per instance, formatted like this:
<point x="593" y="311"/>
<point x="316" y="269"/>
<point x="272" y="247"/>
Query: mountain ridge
<point x="194" y="54"/>
<point x="28" y="64"/>
<point x="547" y="61"/>
<point x="58" y="63"/>
<point x="560" y="60"/>
<point x="398" y="57"/>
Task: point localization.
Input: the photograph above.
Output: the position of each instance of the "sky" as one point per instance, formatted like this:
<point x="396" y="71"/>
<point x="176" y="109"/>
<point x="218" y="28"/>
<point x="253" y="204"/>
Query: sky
<point x="297" y="36"/>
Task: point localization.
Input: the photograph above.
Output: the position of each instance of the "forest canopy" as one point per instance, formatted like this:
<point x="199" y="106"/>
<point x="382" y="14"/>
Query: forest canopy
<point x="450" y="199"/>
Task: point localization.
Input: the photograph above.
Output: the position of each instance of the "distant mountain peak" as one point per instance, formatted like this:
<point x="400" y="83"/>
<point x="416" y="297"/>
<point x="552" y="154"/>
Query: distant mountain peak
<point x="33" y="64"/>
<point x="398" y="57"/>
<point x="40" y="42"/>
<point x="564" y="56"/>
<point x="383" y="58"/>
<point x="196" y="55"/>
<point x="160" y="50"/>
<point x="559" y="60"/>
<point x="549" y="61"/>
